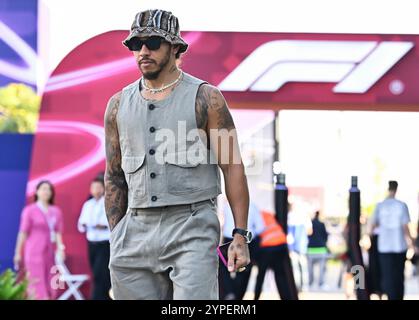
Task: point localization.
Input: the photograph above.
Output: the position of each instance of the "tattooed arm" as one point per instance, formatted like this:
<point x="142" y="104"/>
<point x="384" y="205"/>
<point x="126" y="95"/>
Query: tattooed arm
<point x="214" y="117"/>
<point x="116" y="189"/>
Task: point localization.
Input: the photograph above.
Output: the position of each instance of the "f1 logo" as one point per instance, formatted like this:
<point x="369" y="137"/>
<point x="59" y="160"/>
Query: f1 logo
<point x="355" y="65"/>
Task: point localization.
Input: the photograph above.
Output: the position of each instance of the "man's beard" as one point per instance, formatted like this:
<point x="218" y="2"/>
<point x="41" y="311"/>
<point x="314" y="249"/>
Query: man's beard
<point x="153" y="75"/>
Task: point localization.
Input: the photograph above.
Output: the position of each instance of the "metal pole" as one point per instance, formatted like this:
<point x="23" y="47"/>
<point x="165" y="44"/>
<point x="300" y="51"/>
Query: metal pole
<point x="354" y="235"/>
<point x="281" y="211"/>
<point x="281" y="201"/>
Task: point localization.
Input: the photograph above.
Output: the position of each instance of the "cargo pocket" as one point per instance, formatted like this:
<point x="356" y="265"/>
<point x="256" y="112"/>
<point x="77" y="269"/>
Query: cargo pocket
<point x="116" y="232"/>
<point x="182" y="176"/>
<point x="212" y="214"/>
<point x="134" y="170"/>
<point x="205" y="216"/>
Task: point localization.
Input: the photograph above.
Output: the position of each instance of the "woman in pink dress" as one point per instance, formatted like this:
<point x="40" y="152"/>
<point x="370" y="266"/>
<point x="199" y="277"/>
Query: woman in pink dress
<point x="39" y="240"/>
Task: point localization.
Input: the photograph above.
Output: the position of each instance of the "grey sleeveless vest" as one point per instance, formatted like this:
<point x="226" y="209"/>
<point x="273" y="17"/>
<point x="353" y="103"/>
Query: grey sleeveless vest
<point x="163" y="158"/>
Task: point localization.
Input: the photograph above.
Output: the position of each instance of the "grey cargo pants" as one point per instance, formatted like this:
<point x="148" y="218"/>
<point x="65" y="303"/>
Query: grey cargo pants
<point x="166" y="253"/>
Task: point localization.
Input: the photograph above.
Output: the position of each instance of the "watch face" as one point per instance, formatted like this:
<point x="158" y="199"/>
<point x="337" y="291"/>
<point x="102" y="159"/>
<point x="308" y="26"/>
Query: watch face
<point x="249" y="236"/>
<point x="245" y="233"/>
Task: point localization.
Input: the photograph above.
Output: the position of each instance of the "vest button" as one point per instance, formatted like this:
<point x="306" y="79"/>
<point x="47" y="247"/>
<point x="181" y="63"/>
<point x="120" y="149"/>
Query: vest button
<point x="152" y="151"/>
<point x="151" y="107"/>
<point x="152" y="175"/>
<point x="153" y="198"/>
<point x="152" y="129"/>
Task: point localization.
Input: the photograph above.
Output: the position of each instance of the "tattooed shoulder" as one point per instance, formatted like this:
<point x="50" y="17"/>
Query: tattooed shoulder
<point x="112" y="108"/>
<point x="201" y="107"/>
<point x="116" y="189"/>
<point x="217" y="108"/>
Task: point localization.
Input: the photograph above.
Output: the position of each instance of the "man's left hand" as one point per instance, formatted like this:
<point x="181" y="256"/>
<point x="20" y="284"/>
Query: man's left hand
<point x="238" y="254"/>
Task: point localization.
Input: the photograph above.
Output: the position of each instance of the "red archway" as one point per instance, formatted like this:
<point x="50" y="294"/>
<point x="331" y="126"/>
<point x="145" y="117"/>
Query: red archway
<point x="68" y="147"/>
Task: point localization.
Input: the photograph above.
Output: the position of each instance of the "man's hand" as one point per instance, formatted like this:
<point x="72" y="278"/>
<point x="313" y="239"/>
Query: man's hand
<point x="238" y="254"/>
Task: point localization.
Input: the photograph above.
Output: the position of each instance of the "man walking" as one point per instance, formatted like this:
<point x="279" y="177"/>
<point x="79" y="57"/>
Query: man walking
<point x="391" y="217"/>
<point x="167" y="135"/>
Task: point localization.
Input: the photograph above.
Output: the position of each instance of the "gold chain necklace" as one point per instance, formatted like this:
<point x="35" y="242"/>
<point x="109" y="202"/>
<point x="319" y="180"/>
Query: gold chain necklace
<point x="154" y="91"/>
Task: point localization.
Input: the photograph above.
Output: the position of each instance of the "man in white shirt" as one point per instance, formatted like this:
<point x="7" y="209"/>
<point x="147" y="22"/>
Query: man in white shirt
<point x="299" y="229"/>
<point x="94" y="223"/>
<point x="391" y="217"/>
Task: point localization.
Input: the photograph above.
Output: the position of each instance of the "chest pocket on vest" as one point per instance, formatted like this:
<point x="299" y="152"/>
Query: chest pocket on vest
<point x="183" y="177"/>
<point x="134" y="170"/>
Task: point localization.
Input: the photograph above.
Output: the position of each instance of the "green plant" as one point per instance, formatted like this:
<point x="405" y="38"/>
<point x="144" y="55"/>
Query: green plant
<point x="19" y="108"/>
<point x="11" y="288"/>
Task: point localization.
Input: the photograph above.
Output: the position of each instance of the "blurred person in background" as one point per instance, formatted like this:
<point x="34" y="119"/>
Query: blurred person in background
<point x="299" y="228"/>
<point x="39" y="241"/>
<point x="94" y="223"/>
<point x="391" y="216"/>
<point x="273" y="255"/>
<point x="317" y="251"/>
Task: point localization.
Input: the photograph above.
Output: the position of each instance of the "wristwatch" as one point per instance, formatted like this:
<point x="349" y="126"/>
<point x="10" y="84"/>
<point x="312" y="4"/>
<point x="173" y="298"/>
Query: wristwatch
<point x="247" y="235"/>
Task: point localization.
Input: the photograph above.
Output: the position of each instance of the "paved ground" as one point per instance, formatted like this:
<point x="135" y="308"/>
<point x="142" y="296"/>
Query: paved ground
<point x="331" y="292"/>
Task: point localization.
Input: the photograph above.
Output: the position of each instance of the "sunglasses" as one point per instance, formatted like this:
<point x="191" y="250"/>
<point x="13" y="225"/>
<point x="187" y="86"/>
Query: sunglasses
<point x="152" y="43"/>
